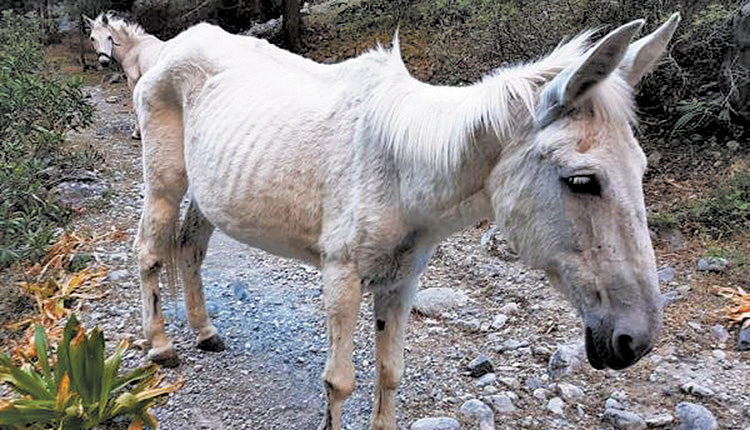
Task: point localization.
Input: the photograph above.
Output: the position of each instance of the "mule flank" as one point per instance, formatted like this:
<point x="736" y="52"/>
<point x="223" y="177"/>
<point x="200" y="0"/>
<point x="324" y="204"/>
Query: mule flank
<point x="115" y="39"/>
<point x="362" y="170"/>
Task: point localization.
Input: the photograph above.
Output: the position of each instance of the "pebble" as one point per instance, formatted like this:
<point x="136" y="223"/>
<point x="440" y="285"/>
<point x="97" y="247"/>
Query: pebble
<point x="566" y="360"/>
<point x="670" y="297"/>
<point x="695" y="417"/>
<point x="556" y="406"/>
<point x="612" y="404"/>
<point x="533" y="383"/>
<point x="117" y="275"/>
<point x="476" y="410"/>
<point x="541" y="393"/>
<point x="569" y="392"/>
<point x="694" y="325"/>
<point x="487" y="379"/>
<point x="743" y="339"/>
<point x="666" y="274"/>
<point x="696" y="389"/>
<point x="433" y="302"/>
<point x="112" y="99"/>
<point x="480" y="366"/>
<point x="499" y="321"/>
<point x="436" y="423"/>
<point x="510" y="308"/>
<point x="624" y="420"/>
<point x="659" y="420"/>
<point x="713" y="264"/>
<point x="502" y="403"/>
<point x="720" y="333"/>
<point x="511" y="345"/>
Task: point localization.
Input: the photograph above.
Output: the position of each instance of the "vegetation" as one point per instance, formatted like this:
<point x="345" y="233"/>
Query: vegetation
<point x="81" y="389"/>
<point x="37" y="111"/>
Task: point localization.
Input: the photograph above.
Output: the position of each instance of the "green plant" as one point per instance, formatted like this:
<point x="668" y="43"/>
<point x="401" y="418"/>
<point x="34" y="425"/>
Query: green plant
<point x="37" y="111"/>
<point x="81" y="389"/>
<point x="662" y="221"/>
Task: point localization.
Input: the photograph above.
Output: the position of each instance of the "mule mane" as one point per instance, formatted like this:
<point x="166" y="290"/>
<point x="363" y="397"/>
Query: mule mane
<point x="120" y="24"/>
<point x="435" y="124"/>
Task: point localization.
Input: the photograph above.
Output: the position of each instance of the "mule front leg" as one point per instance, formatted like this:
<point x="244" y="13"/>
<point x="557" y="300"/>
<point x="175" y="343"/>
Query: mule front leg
<point x="194" y="236"/>
<point x="136" y="135"/>
<point x="391" y="313"/>
<point x="342" y="295"/>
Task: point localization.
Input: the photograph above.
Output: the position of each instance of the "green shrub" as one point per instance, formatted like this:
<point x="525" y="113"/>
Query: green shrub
<point x="35" y="113"/>
<point x="81" y="389"/>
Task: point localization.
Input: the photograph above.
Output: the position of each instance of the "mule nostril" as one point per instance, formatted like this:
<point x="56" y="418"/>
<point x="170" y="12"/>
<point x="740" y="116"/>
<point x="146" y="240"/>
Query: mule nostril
<point x="624" y="348"/>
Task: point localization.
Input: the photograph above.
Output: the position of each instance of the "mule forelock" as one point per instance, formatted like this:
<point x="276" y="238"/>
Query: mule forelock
<point x="119" y="24"/>
<point x="432" y="124"/>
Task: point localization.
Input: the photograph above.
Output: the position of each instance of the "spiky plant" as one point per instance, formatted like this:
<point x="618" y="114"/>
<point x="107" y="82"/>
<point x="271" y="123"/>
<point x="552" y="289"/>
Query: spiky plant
<point x="81" y="389"/>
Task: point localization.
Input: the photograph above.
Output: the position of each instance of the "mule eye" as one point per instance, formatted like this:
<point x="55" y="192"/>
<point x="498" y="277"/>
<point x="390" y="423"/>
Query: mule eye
<point x="92" y="38"/>
<point x="109" y="38"/>
<point x="583" y="184"/>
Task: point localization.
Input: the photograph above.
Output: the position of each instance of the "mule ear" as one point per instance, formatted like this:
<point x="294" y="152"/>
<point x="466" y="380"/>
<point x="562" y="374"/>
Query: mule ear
<point x="89" y="22"/>
<point x="105" y="19"/>
<point x="643" y="54"/>
<point x="571" y="84"/>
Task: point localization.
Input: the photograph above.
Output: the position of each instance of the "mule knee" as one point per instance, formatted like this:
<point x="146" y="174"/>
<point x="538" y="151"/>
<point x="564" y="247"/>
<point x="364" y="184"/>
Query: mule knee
<point x="390" y="376"/>
<point x="340" y="382"/>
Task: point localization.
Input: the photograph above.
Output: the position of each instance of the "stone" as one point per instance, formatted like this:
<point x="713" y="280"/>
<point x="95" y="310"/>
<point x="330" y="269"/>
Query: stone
<point x="624" y="420"/>
<point x="695" y="325"/>
<point x="533" y="383"/>
<point x="666" y="274"/>
<point x="719" y="354"/>
<point x="480" y="366"/>
<point x="117" y="275"/>
<point x="499" y="321"/>
<point x="75" y="194"/>
<point x="743" y="338"/>
<point x="733" y="145"/>
<point x="653" y="159"/>
<point x="434" y="302"/>
<point x="670" y="297"/>
<point x="502" y="404"/>
<point x="569" y="392"/>
<point x="659" y="420"/>
<point x="541" y="393"/>
<point x="435" y="423"/>
<point x="511" y="345"/>
<point x="611" y="403"/>
<point x="696" y="389"/>
<point x="112" y="99"/>
<point x="240" y="290"/>
<point x="474" y="409"/>
<point x="510" y="308"/>
<point x="487" y="379"/>
<point x="695" y="417"/>
<point x="720" y="333"/>
<point x="713" y="264"/>
<point x="556" y="405"/>
<point x="566" y="360"/>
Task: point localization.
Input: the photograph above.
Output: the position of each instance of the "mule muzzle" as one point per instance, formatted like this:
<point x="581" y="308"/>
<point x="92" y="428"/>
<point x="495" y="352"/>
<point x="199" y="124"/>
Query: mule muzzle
<point x="104" y="59"/>
<point x="617" y="345"/>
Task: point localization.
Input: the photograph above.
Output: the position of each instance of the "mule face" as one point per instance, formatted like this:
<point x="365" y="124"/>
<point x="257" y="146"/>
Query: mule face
<point x="101" y="39"/>
<point x="578" y="211"/>
<point x="588" y="186"/>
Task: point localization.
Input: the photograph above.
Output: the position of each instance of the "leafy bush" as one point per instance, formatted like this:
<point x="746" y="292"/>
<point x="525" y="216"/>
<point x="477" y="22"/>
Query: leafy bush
<point x="37" y="111"/>
<point x="81" y="389"/>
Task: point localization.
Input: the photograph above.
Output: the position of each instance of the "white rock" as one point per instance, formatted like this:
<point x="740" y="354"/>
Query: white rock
<point x="499" y="321"/>
<point x="697" y="390"/>
<point x="695" y="417"/>
<point x="624" y="420"/>
<point x="510" y="308"/>
<point x="502" y="403"/>
<point x="476" y="410"/>
<point x="433" y="302"/>
<point x="556" y="405"/>
<point x="569" y="392"/>
<point x="436" y="423"/>
<point x="659" y="420"/>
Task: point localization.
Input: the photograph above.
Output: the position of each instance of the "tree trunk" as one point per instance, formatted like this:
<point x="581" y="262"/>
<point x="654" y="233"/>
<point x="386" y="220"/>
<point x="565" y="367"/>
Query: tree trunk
<point x="82" y="40"/>
<point x="741" y="28"/>
<point x="291" y="24"/>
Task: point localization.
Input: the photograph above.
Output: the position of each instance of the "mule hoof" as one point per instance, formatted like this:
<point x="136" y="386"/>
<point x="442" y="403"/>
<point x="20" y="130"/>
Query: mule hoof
<point x="213" y="344"/>
<point x="165" y="358"/>
<point x="135" y="136"/>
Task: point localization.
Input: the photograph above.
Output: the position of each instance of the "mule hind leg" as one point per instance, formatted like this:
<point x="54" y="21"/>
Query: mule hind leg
<point x="391" y="313"/>
<point x="194" y="236"/>
<point x="166" y="181"/>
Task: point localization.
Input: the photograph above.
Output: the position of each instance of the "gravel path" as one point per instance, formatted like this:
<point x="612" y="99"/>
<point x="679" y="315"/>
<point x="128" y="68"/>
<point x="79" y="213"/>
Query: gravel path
<point x="269" y="312"/>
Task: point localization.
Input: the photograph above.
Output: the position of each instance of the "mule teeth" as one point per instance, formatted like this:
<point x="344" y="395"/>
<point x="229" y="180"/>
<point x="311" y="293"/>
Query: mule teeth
<point x="579" y="180"/>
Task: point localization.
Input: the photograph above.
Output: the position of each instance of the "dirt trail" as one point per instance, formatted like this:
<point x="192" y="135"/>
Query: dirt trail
<point x="268" y="310"/>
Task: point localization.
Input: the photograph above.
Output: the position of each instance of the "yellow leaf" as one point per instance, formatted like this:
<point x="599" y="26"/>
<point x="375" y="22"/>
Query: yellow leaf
<point x="137" y="424"/>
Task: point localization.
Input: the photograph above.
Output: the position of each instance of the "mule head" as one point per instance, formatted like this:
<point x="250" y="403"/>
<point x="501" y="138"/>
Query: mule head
<point x="101" y="38"/>
<point x="577" y="208"/>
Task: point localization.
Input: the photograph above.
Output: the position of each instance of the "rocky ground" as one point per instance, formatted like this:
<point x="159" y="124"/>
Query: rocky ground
<point x="491" y="346"/>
